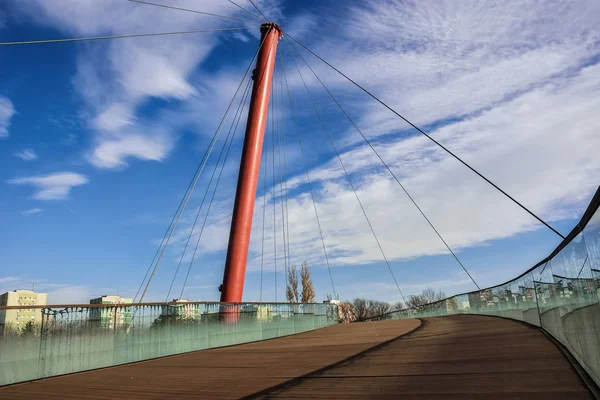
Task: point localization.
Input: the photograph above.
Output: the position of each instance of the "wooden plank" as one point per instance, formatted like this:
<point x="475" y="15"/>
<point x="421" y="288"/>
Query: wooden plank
<point x="229" y="372"/>
<point x="451" y="357"/>
<point x="454" y="357"/>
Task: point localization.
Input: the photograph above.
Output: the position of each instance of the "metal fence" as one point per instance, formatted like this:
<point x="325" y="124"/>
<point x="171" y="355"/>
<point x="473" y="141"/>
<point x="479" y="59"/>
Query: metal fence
<point x="560" y="294"/>
<point x="83" y="337"/>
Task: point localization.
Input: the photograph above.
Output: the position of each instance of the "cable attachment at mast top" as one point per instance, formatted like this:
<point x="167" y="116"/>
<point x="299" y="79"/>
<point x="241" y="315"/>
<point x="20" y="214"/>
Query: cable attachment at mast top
<point x="267" y="26"/>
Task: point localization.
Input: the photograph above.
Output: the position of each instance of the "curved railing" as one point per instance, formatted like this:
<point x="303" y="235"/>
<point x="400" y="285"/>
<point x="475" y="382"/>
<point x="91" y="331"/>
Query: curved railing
<point x="62" y="339"/>
<point x="559" y="294"/>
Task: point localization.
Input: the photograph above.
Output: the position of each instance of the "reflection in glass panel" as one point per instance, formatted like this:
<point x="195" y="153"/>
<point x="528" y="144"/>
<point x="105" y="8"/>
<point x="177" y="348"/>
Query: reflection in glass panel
<point x="82" y="338"/>
<point x="562" y="296"/>
<point x="591" y="236"/>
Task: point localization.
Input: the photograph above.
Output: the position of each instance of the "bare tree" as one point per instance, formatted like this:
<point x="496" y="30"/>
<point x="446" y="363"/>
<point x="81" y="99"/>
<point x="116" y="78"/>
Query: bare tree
<point x="431" y="295"/>
<point x="292" y="285"/>
<point x="308" y="291"/>
<point x="427" y="296"/>
<point x="361" y="308"/>
<point x="378" y="308"/>
<point x="416" y="300"/>
<point x="365" y="309"/>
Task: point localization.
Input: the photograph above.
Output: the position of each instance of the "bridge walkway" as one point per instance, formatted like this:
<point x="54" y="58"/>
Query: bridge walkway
<point x="457" y="357"/>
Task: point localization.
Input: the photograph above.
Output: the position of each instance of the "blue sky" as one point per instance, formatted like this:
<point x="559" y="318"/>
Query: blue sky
<point x="99" y="140"/>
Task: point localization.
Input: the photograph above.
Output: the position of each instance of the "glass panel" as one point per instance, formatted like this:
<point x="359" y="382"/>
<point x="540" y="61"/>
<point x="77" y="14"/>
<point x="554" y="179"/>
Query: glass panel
<point x="562" y="296"/>
<point x="84" y="338"/>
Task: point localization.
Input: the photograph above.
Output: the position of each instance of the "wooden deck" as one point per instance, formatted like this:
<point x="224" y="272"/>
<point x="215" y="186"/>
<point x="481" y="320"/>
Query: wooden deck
<point x="459" y="357"/>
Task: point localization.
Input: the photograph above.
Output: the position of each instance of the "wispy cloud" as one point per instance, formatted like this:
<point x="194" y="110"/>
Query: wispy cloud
<point x="117" y="79"/>
<point x="498" y="84"/>
<point x="511" y="86"/>
<point x="32" y="211"/>
<point x="112" y="153"/>
<point x="55" y="186"/>
<point x="435" y="60"/>
<point x="26" y="155"/>
<point x="6" y="112"/>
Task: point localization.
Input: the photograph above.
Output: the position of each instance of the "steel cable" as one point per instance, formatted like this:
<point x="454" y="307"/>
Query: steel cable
<point x="191" y="11"/>
<point x="242" y="8"/>
<point x="347" y="177"/>
<point x="82" y="39"/>
<point x="312" y="195"/>
<point x="239" y="116"/>
<point x="387" y="167"/>
<point x="208" y="188"/>
<point x="430" y="138"/>
<point x="200" y="169"/>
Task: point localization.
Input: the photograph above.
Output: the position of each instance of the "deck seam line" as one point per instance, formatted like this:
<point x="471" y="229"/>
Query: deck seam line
<point x="295" y="381"/>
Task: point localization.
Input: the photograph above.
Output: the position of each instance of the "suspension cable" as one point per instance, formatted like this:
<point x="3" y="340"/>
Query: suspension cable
<point x="387" y="167"/>
<point x="81" y="39"/>
<point x="242" y="99"/>
<point x="242" y="8"/>
<point x="262" y="254"/>
<point x="284" y="164"/>
<point x="192" y="11"/>
<point x="277" y="110"/>
<point x="271" y="100"/>
<point x="238" y="116"/>
<point x="430" y="138"/>
<point x="347" y="176"/>
<point x="199" y="171"/>
<point x="260" y="12"/>
<point x="164" y="237"/>
<point x="312" y="195"/>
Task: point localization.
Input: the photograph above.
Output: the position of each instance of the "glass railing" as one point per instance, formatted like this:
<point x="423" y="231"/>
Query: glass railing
<point x="559" y="294"/>
<point x="66" y="339"/>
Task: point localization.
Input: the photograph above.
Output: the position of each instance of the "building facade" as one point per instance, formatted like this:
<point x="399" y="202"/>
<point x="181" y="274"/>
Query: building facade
<point x="111" y="317"/>
<point x="183" y="310"/>
<point x="18" y="319"/>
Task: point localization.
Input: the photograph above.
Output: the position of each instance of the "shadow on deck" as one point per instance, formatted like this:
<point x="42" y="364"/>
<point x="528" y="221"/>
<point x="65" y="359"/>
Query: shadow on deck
<point x="455" y="357"/>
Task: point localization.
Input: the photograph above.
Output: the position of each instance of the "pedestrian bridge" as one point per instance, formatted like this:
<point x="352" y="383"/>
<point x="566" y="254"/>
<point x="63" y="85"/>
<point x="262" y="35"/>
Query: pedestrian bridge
<point x="536" y="336"/>
<point x="454" y="357"/>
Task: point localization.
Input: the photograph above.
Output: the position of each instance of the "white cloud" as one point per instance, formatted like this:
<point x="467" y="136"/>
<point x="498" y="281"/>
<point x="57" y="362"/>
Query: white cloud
<point x="433" y="60"/>
<point x="26" y="155"/>
<point x="529" y="123"/>
<point x="505" y="84"/>
<point x="32" y="211"/>
<point x="56" y="186"/>
<point x="501" y="83"/>
<point x="547" y="170"/>
<point x="114" y="118"/>
<point x="117" y="78"/>
<point x="6" y="112"/>
<point x="113" y="152"/>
